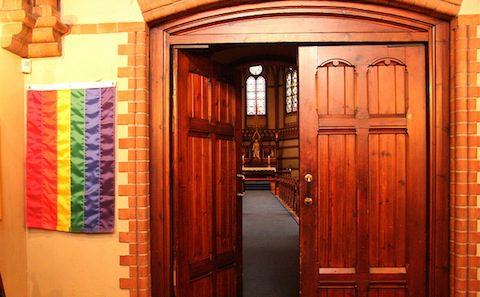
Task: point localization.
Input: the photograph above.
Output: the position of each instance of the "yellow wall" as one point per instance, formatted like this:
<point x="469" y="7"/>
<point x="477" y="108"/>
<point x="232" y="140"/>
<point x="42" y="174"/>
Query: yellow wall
<point x="38" y="263"/>
<point x="470" y="7"/>
<point x="84" y="265"/>
<point x="13" y="261"/>
<point x="105" y="11"/>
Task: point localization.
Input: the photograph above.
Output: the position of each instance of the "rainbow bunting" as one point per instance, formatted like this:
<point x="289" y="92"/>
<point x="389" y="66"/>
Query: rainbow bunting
<point x="70" y="165"/>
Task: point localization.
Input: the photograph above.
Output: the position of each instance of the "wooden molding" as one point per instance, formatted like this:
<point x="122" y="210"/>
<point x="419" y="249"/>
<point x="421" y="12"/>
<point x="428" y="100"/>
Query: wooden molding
<point x="33" y="35"/>
<point x="161" y="10"/>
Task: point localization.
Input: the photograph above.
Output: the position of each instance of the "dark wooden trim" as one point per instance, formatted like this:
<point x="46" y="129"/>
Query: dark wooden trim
<point x="387" y="14"/>
<point x="289" y="146"/>
<point x="240" y="189"/>
<point x="433" y="32"/>
<point x="160" y="203"/>
<point x="288" y="138"/>
<point x="244" y="99"/>
<point x="261" y="60"/>
<point x="271" y="179"/>
<point x="289" y="115"/>
<point x="277" y="96"/>
<point x="288" y="158"/>
<point x="439" y="155"/>
<point x="319" y="37"/>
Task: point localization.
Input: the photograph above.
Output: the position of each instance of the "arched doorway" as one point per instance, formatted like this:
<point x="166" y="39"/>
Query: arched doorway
<point x="319" y="24"/>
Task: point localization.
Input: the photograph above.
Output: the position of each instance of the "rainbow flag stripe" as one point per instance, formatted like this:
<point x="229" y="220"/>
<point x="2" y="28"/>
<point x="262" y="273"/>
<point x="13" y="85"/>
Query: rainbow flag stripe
<point x="70" y="163"/>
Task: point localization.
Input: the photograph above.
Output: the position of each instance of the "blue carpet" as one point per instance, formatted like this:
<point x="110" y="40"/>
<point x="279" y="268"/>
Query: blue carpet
<point x="270" y="247"/>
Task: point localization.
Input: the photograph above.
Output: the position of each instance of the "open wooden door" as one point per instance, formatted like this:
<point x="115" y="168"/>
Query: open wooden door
<point x="207" y="211"/>
<point x="363" y="140"/>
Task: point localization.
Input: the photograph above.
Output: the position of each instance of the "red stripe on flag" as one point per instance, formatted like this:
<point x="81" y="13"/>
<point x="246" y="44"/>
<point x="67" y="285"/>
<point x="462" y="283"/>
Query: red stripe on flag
<point x="49" y="160"/>
<point x="34" y="187"/>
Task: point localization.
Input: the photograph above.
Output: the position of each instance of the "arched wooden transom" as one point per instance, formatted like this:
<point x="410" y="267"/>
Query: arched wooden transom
<point x="158" y="10"/>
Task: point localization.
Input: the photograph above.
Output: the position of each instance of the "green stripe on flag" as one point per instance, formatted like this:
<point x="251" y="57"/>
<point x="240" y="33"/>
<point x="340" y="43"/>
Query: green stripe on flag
<point x="77" y="158"/>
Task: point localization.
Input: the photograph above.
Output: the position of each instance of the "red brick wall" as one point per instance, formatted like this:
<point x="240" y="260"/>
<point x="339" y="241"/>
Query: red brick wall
<point x="137" y="143"/>
<point x="465" y="157"/>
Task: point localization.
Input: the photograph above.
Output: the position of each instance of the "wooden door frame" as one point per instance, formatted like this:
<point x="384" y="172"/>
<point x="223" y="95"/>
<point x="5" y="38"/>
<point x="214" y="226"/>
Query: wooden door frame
<point x="180" y="32"/>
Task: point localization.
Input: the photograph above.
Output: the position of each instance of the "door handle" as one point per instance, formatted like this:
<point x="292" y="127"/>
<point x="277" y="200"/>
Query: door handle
<point x="242" y="187"/>
<point x="308" y="199"/>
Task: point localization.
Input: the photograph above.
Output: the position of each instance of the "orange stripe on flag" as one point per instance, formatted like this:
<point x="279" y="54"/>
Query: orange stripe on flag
<point x="49" y="159"/>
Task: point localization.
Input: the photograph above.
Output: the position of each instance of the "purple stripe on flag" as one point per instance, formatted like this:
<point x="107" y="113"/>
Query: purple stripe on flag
<point x="92" y="160"/>
<point x="107" y="160"/>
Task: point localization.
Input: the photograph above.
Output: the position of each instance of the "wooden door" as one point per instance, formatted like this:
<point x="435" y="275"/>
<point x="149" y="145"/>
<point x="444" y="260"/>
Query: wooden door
<point x="363" y="138"/>
<point x="207" y="212"/>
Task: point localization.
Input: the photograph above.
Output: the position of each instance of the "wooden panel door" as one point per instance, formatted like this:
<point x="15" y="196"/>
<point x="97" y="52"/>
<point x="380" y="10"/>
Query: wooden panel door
<point x="206" y="209"/>
<point x="363" y="139"/>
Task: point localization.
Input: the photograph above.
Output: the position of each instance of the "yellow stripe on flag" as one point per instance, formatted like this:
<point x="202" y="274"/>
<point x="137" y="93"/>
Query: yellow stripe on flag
<point x="63" y="160"/>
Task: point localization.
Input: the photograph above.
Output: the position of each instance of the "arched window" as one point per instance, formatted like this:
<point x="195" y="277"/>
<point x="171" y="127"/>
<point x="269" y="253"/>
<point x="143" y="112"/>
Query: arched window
<point x="256" y="89"/>
<point x="291" y="87"/>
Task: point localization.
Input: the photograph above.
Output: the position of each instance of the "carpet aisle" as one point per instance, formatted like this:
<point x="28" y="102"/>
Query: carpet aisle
<point x="270" y="247"/>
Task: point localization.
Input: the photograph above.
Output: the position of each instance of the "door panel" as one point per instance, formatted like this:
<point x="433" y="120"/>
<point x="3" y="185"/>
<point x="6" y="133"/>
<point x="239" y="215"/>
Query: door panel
<point x="207" y="213"/>
<point x="225" y="187"/>
<point x="363" y="138"/>
<point x="226" y="283"/>
<point x="200" y="287"/>
<point x="198" y="215"/>
<point x="336" y="292"/>
<point x="338" y="206"/>
<point x="386" y="197"/>
<point x="333" y="100"/>
<point x="386" y="81"/>
<point x="387" y="293"/>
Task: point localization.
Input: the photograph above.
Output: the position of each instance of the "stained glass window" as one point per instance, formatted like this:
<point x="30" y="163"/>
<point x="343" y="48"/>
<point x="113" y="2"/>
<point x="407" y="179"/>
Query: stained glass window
<point x="251" y="96"/>
<point x="256" y="70"/>
<point x="291" y="102"/>
<point x="255" y="91"/>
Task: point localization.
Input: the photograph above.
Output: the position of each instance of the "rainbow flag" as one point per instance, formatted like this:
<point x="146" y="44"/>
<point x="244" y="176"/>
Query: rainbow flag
<point x="70" y="162"/>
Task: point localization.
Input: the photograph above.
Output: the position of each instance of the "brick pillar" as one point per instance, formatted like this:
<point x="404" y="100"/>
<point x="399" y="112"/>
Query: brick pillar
<point x="465" y="157"/>
<point x="136" y="142"/>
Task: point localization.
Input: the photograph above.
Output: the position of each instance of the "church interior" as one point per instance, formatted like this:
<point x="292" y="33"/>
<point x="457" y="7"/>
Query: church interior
<point x="267" y="79"/>
<point x="269" y="88"/>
